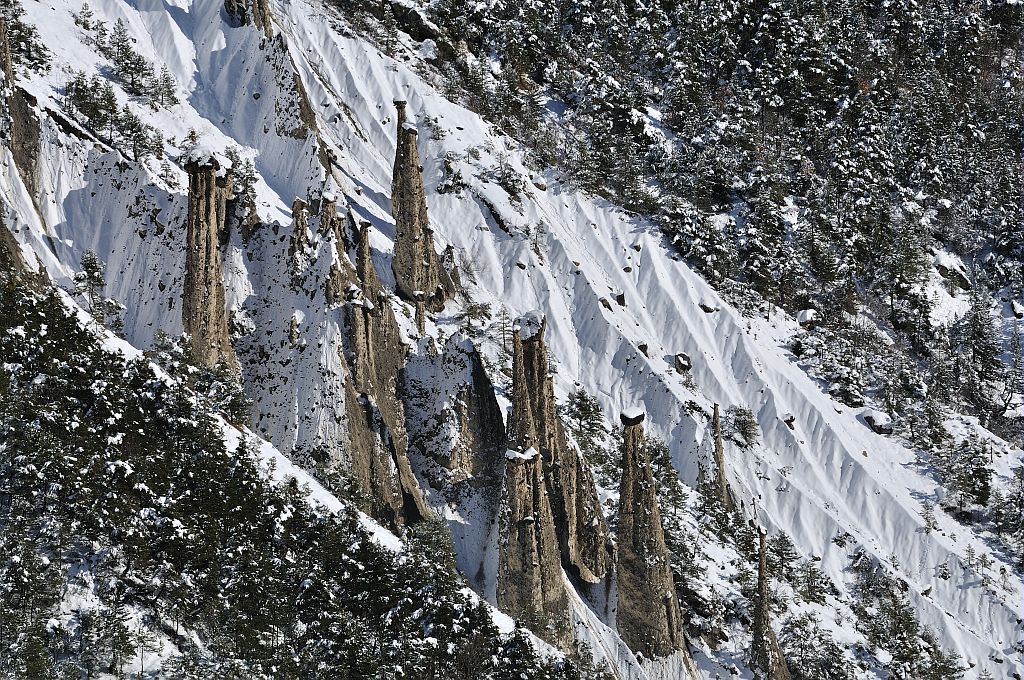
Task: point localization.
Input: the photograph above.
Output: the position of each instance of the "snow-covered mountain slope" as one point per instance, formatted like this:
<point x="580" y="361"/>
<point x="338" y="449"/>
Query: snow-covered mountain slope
<point x="619" y="305"/>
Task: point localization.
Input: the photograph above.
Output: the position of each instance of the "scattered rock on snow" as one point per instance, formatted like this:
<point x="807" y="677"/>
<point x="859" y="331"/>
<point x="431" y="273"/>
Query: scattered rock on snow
<point x="878" y="421"/>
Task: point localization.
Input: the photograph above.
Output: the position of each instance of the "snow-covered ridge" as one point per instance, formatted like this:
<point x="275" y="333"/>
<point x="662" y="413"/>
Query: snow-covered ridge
<point x="603" y="280"/>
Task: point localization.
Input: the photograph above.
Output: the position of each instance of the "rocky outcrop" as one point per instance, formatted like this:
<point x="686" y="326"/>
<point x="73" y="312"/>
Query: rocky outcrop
<point x="722" y="490"/>
<point x="579" y="522"/>
<point x="24" y="139"/>
<point x="11" y="259"/>
<point x="5" y="55"/>
<point x="765" y="654"/>
<point x="481" y="430"/>
<point x="530" y="585"/>
<point x="417" y="268"/>
<point x="299" y="240"/>
<point x="203" y="313"/>
<point x="376" y="356"/>
<point x="20" y="126"/>
<point x="647" y="614"/>
<point x="255" y="12"/>
<point x="454" y="417"/>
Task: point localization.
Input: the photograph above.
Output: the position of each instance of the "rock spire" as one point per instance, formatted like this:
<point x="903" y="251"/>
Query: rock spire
<point x="722" y="490"/>
<point x="579" y="521"/>
<point x="419" y="276"/>
<point x="647" y="614"/>
<point x="376" y="356"/>
<point x="203" y="313"/>
<point x="765" y="655"/>
<point x="530" y="585"/>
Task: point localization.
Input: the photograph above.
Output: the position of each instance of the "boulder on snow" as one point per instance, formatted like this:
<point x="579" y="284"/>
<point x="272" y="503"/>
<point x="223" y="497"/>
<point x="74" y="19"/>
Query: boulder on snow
<point x="951" y="269"/>
<point x="807" y="318"/>
<point x="706" y="308"/>
<point x="878" y="421"/>
<point x="682" y="362"/>
<point x="529" y="324"/>
<point x="790" y="420"/>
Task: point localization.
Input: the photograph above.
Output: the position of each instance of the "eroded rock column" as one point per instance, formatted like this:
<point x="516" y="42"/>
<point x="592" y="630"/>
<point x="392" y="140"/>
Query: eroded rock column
<point x="19" y="124"/>
<point x="203" y="314"/>
<point x="419" y="275"/>
<point x="11" y="259"/>
<point x="378" y="438"/>
<point x="765" y="654"/>
<point x="647" y="614"/>
<point x="530" y="584"/>
<point x="579" y="522"/>
<point x="722" y="489"/>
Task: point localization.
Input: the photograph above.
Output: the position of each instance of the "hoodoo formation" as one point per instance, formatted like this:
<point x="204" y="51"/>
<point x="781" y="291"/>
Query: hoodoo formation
<point x="765" y="654"/>
<point x="530" y="582"/>
<point x="647" y="614"/>
<point x="314" y="384"/>
<point x="203" y="313"/>
<point x="419" y="276"/>
<point x="379" y="443"/>
<point x="579" y="520"/>
<point x="722" y="489"/>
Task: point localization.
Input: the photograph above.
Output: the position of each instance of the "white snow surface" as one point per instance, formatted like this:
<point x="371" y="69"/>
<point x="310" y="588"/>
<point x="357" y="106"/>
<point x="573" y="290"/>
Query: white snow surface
<point x="828" y="475"/>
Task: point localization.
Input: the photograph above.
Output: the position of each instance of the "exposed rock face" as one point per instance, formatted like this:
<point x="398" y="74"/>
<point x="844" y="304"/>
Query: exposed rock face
<point x="458" y="422"/>
<point x="647" y="616"/>
<point x="530" y="585"/>
<point x="11" y="259"/>
<point x="203" y="315"/>
<point x="417" y="268"/>
<point x="376" y="356"/>
<point x="579" y="521"/>
<point x="294" y="116"/>
<point x="299" y="239"/>
<point x="482" y="432"/>
<point x="24" y="136"/>
<point x="5" y="55"/>
<point x="300" y="226"/>
<point x="765" y="655"/>
<point x="20" y="126"/>
<point x="722" y="489"/>
<point x="255" y="12"/>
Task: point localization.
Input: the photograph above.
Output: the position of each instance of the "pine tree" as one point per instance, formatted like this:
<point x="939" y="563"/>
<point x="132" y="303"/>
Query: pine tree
<point x="84" y="16"/>
<point x="976" y="338"/>
<point x="389" y="30"/>
<point x="165" y="88"/>
<point x="169" y="175"/>
<point x="26" y="47"/>
<point x="928" y="516"/>
<point x="90" y="282"/>
<point x="782" y="557"/>
<point x="1014" y="382"/>
<point x="811" y="654"/>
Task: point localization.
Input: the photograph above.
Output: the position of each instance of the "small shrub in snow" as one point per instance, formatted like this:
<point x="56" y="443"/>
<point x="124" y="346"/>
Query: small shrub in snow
<point x="743" y="428"/>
